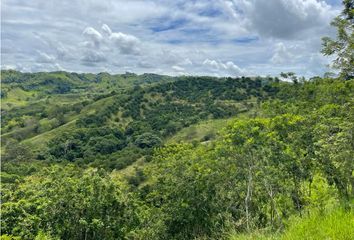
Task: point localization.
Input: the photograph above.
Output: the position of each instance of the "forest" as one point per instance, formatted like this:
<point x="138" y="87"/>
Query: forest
<point x="128" y="156"/>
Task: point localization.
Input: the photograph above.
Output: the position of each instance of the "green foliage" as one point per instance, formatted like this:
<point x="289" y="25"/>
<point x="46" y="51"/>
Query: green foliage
<point x="67" y="131"/>
<point x="16" y="152"/>
<point x="285" y="152"/>
<point x="147" y="140"/>
<point x="81" y="143"/>
<point x="44" y="236"/>
<point x="8" y="237"/>
<point x="71" y="204"/>
<point x="334" y="225"/>
<point x="343" y="46"/>
<point x="321" y="196"/>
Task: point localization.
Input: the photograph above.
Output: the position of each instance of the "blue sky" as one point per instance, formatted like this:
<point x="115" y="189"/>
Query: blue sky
<point x="180" y="37"/>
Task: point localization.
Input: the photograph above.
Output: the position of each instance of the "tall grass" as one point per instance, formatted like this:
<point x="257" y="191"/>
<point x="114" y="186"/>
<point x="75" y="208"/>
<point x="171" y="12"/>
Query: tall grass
<point x="337" y="224"/>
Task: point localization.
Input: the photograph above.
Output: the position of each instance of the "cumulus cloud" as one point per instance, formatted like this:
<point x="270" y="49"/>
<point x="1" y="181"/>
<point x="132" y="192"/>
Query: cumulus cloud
<point x="233" y="68"/>
<point x="127" y="44"/>
<point x="281" y="54"/>
<point x="107" y="30"/>
<point x="211" y="63"/>
<point x="287" y="18"/>
<point x="225" y="67"/>
<point x="61" y="51"/>
<point x="93" y="35"/>
<point x="91" y="57"/>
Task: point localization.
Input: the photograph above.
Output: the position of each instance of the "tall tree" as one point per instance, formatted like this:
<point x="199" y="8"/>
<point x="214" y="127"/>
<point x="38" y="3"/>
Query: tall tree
<point x="343" y="46"/>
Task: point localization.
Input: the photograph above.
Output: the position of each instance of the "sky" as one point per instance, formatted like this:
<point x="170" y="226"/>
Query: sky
<point x="173" y="37"/>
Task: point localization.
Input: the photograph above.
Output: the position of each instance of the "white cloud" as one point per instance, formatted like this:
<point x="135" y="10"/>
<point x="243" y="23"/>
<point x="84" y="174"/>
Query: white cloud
<point x="211" y="63"/>
<point x="232" y="68"/>
<point x="59" y="67"/>
<point x="93" y="35"/>
<point x="178" y="68"/>
<point x="287" y="18"/>
<point x="106" y="30"/>
<point x="91" y="57"/>
<point x="8" y="67"/>
<point x="264" y="37"/>
<point x="127" y="44"/>
<point x="61" y="51"/>
<point x="225" y="68"/>
<point x="186" y="61"/>
<point x="281" y="54"/>
<point x="45" y="58"/>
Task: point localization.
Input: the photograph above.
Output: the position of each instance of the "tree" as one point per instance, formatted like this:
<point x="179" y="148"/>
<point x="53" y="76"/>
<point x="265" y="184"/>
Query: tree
<point x="290" y="76"/>
<point x="343" y="46"/>
<point x="147" y="140"/>
<point x="69" y="203"/>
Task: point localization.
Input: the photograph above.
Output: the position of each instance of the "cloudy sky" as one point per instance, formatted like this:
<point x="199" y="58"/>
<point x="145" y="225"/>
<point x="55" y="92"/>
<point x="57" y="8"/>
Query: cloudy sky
<point x="179" y="37"/>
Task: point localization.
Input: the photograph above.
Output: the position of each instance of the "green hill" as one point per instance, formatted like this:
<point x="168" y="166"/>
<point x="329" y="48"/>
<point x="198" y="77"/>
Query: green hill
<point x="155" y="157"/>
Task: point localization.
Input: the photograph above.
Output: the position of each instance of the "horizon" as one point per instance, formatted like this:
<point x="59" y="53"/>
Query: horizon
<point x="278" y="76"/>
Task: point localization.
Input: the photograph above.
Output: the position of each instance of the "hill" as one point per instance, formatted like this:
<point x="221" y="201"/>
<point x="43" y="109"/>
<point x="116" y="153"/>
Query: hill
<point x="87" y="156"/>
<point x="138" y="108"/>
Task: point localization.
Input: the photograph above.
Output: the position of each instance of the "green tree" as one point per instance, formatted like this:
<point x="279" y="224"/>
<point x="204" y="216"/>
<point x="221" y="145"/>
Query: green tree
<point x="70" y="203"/>
<point x="147" y="140"/>
<point x="343" y="46"/>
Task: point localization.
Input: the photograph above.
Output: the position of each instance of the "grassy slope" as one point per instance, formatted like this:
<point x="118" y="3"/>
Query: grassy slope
<point x="16" y="97"/>
<point x="39" y="142"/>
<point x="199" y="132"/>
<point x="337" y="224"/>
<point x="207" y="130"/>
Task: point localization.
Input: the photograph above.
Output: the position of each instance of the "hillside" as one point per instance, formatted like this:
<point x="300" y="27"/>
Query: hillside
<point x="246" y="133"/>
<point x="142" y="108"/>
<point x="181" y="156"/>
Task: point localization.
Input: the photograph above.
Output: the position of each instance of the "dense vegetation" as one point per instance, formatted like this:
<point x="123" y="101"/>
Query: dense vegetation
<point x="285" y="155"/>
<point x="91" y="126"/>
<point x="100" y="156"/>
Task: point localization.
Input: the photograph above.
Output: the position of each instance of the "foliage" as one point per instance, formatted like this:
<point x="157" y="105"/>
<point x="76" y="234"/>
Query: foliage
<point x="104" y="169"/>
<point x="343" y="46"/>
<point x="147" y="140"/>
<point x="71" y="204"/>
<point x="334" y="225"/>
<point x="337" y="224"/>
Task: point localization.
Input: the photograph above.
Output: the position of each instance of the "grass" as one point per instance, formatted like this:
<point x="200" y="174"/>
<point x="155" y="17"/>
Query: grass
<point x="206" y="130"/>
<point x="338" y="225"/>
<point x="254" y="236"/>
<point x="335" y="225"/>
<point x="16" y="97"/>
<point x="39" y="142"/>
